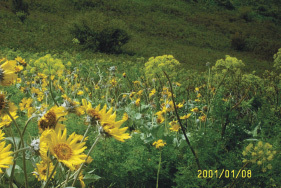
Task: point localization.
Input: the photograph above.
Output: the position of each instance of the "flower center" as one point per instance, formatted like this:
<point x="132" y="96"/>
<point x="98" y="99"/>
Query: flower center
<point x="49" y="121"/>
<point x="2" y="101"/>
<point x="44" y="171"/>
<point x="94" y="114"/>
<point x="63" y="151"/>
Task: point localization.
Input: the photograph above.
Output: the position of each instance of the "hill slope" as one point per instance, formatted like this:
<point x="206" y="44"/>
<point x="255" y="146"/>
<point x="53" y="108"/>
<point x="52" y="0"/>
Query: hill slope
<point x="195" y="32"/>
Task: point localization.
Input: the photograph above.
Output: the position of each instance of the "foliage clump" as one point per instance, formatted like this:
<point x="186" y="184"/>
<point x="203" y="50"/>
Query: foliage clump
<point x="47" y="65"/>
<point x="93" y="36"/>
<point x="229" y="63"/>
<point x="277" y="59"/>
<point x="238" y="41"/>
<point x="156" y="65"/>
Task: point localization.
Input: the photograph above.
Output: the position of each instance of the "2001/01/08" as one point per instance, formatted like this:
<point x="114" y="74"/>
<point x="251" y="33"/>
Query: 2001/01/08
<point x="224" y="174"/>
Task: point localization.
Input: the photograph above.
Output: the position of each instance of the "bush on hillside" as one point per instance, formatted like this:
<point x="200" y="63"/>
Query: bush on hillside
<point x="226" y="4"/>
<point x="112" y="39"/>
<point x="19" y="6"/>
<point x="109" y="40"/>
<point x="238" y="41"/>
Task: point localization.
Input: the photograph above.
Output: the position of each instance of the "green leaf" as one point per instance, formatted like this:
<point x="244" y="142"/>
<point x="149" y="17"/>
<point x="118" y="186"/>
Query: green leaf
<point x="17" y="140"/>
<point x="138" y="115"/>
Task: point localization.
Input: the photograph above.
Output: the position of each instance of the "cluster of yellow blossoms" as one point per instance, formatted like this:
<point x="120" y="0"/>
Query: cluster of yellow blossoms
<point x="159" y="143"/>
<point x="261" y="154"/>
<point x="54" y="142"/>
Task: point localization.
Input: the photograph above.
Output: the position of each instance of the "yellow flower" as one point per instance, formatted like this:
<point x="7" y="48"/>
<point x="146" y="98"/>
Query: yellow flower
<point x="51" y="119"/>
<point x="113" y="82"/>
<point x="185" y="116"/>
<point x="41" y="170"/>
<point x="180" y="105"/>
<point x="6" y="120"/>
<point x="160" y="118"/>
<point x="124" y="75"/>
<point x="136" y="82"/>
<point x="196" y="89"/>
<point x="5" y="158"/>
<point x="195" y="110"/>
<point x="152" y="93"/>
<point x="25" y="103"/>
<point x="81" y="177"/>
<point x="80" y="92"/>
<point x="132" y="94"/>
<point x="7" y="106"/>
<point x="159" y="143"/>
<point x="168" y="106"/>
<point x="178" y="84"/>
<point x="7" y="73"/>
<point x="203" y="118"/>
<point x="174" y="126"/>
<point x="111" y="127"/>
<point x="18" y="68"/>
<point x="140" y="92"/>
<point x="21" y="61"/>
<point x="68" y="151"/>
<point x="138" y="102"/>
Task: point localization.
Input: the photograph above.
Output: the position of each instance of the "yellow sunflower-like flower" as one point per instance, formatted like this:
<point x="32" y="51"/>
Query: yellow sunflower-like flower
<point x="41" y="170"/>
<point x="112" y="127"/>
<point x="160" y="118"/>
<point x="185" y="116"/>
<point x="6" y="120"/>
<point x="152" y="93"/>
<point x="7" y="73"/>
<point x="5" y="107"/>
<point x="51" y="119"/>
<point x="159" y="143"/>
<point x="5" y="158"/>
<point x="174" y="126"/>
<point x="195" y="110"/>
<point x="68" y="151"/>
<point x="108" y="125"/>
<point x="25" y="103"/>
<point x="138" y="102"/>
<point x="80" y="92"/>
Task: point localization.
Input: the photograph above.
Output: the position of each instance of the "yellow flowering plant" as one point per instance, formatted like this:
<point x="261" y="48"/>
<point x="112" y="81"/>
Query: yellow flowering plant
<point x="156" y="65"/>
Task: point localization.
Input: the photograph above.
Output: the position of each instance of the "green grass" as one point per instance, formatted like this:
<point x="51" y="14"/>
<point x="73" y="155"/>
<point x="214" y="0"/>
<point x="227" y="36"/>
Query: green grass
<point x="194" y="33"/>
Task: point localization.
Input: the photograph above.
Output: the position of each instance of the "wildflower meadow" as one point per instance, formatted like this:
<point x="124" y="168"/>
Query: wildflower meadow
<point x="73" y="122"/>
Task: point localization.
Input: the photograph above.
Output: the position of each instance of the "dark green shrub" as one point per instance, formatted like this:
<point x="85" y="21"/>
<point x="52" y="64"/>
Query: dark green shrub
<point x="109" y="40"/>
<point x="238" y="41"/>
<point x="112" y="39"/>
<point x="19" y="6"/>
<point x="226" y="4"/>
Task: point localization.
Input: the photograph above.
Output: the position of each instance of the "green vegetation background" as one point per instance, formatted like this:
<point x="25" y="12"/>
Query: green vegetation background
<point x="193" y="31"/>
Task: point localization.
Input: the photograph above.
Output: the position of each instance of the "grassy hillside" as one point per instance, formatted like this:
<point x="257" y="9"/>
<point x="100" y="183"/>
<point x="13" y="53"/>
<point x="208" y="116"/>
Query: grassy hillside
<point x="194" y="32"/>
